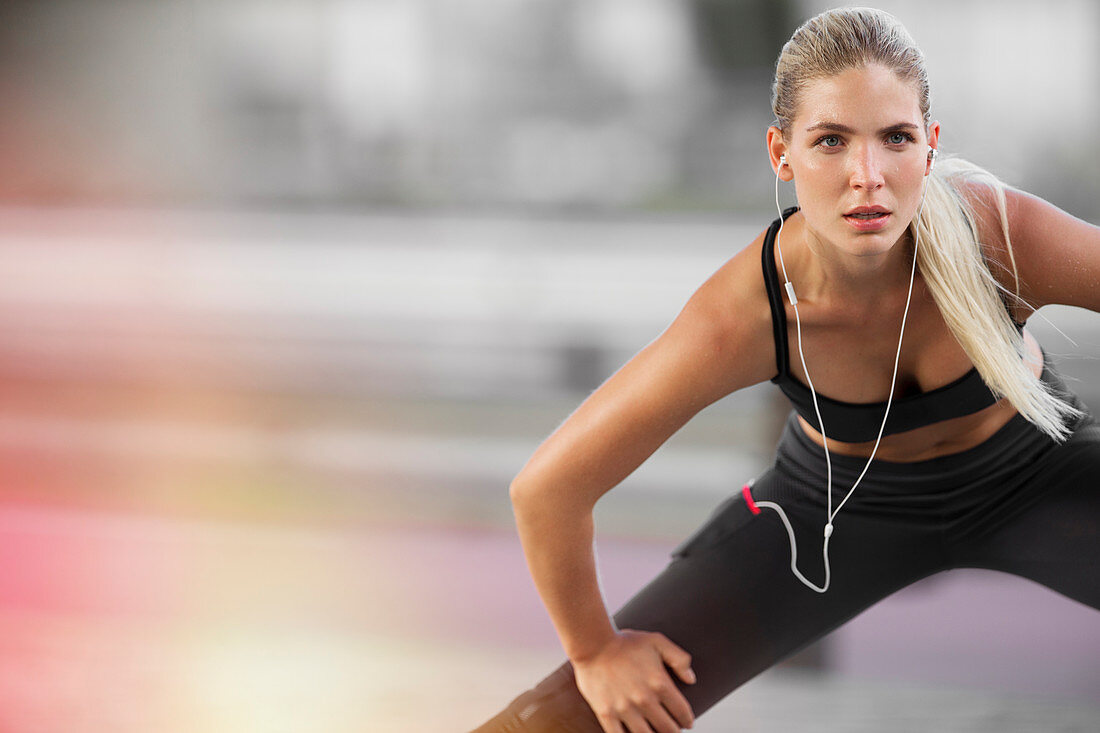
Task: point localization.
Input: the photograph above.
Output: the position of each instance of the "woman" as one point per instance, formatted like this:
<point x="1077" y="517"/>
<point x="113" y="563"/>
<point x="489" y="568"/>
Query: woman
<point x="950" y="441"/>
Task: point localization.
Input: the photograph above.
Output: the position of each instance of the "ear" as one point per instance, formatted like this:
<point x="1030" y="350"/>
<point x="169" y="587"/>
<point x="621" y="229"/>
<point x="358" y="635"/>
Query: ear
<point x="777" y="146"/>
<point x="933" y="142"/>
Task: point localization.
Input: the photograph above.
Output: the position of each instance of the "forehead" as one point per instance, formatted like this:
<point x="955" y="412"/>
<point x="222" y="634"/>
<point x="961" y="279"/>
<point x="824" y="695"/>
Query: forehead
<point x="868" y="97"/>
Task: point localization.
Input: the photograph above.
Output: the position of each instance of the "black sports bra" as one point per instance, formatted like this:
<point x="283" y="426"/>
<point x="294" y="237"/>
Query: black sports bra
<point x="858" y="422"/>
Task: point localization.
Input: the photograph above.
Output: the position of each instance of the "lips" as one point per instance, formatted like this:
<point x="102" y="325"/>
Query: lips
<point x="867" y="212"/>
<point x="867" y="218"/>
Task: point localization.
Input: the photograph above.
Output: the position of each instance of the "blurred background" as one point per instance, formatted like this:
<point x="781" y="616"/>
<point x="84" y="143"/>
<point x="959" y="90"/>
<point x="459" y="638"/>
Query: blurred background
<point x="290" y="290"/>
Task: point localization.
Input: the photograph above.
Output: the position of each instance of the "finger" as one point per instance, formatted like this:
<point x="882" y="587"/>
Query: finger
<point x="659" y="719"/>
<point x="610" y="724"/>
<point x="678" y="706"/>
<point x="635" y="722"/>
<point x="676" y="658"/>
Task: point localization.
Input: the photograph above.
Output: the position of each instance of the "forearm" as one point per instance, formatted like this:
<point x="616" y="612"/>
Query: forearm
<point x="557" y="541"/>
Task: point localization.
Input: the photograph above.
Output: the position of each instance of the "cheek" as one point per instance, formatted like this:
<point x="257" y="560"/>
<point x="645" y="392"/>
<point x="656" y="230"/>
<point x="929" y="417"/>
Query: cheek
<point x="818" y="181"/>
<point x="916" y="182"/>
<point x="819" y="169"/>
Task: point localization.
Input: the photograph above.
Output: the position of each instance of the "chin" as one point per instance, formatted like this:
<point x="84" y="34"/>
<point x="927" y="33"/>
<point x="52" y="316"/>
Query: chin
<point x="869" y="244"/>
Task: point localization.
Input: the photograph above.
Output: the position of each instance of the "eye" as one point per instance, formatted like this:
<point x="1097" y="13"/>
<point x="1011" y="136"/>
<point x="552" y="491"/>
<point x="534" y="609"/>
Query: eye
<point x="829" y="141"/>
<point x="899" y="138"/>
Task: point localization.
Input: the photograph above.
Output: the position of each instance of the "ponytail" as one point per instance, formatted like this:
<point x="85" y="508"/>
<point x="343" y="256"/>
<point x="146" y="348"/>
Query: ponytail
<point x="972" y="301"/>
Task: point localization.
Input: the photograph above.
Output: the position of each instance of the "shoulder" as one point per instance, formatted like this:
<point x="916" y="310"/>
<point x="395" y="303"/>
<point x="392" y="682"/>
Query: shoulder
<point x="729" y="312"/>
<point x="1055" y="255"/>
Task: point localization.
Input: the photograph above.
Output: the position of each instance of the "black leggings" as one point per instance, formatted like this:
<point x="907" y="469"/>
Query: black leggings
<point x="1018" y="503"/>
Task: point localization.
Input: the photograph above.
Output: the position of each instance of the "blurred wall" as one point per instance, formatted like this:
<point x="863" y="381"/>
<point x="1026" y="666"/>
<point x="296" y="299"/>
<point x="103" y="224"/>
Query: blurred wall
<point x="545" y="104"/>
<point x="507" y="172"/>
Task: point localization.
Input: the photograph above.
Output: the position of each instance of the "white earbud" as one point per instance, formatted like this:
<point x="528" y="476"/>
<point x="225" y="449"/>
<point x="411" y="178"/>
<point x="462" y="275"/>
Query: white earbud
<point x="782" y="160"/>
<point x="932" y="153"/>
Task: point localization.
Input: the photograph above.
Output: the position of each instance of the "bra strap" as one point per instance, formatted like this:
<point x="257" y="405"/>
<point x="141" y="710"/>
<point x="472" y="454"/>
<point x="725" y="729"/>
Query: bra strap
<point x="775" y="297"/>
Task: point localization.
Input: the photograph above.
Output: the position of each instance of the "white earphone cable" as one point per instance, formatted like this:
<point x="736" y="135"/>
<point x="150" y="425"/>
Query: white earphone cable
<point x="830" y="513"/>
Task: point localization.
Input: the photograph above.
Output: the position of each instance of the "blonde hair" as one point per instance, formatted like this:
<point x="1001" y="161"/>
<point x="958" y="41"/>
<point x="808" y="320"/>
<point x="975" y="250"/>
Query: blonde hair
<point x="950" y="257"/>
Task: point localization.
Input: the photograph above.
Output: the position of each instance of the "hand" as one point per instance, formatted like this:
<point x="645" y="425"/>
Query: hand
<point x="627" y="686"/>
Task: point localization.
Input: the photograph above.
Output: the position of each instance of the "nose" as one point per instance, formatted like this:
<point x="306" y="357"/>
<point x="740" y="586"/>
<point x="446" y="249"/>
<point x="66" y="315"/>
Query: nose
<point x="866" y="169"/>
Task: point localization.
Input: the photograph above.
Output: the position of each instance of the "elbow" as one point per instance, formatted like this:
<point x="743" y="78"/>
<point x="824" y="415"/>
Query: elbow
<point x="520" y="491"/>
<point x="534" y="498"/>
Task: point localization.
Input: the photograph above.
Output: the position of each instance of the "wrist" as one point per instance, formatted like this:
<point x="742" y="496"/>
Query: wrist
<point x="582" y="651"/>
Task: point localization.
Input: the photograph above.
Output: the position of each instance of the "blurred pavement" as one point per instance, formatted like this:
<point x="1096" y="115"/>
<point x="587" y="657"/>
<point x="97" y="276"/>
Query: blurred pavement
<point x="127" y="623"/>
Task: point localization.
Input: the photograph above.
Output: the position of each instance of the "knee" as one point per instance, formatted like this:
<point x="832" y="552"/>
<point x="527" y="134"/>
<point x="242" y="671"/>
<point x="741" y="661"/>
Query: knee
<point x="555" y="704"/>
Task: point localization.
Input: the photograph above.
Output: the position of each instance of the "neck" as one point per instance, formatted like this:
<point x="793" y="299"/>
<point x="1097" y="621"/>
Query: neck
<point x="827" y="270"/>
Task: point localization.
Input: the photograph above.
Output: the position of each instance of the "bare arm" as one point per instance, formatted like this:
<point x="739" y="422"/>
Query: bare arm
<point x="719" y="343"/>
<point x="1057" y="255"/>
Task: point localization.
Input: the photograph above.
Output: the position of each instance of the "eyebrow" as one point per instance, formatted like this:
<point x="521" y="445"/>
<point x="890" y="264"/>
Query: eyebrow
<point x="837" y="127"/>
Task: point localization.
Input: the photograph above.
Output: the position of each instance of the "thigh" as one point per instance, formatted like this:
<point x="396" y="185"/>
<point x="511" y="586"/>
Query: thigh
<point x="1053" y="536"/>
<point x="729" y="598"/>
